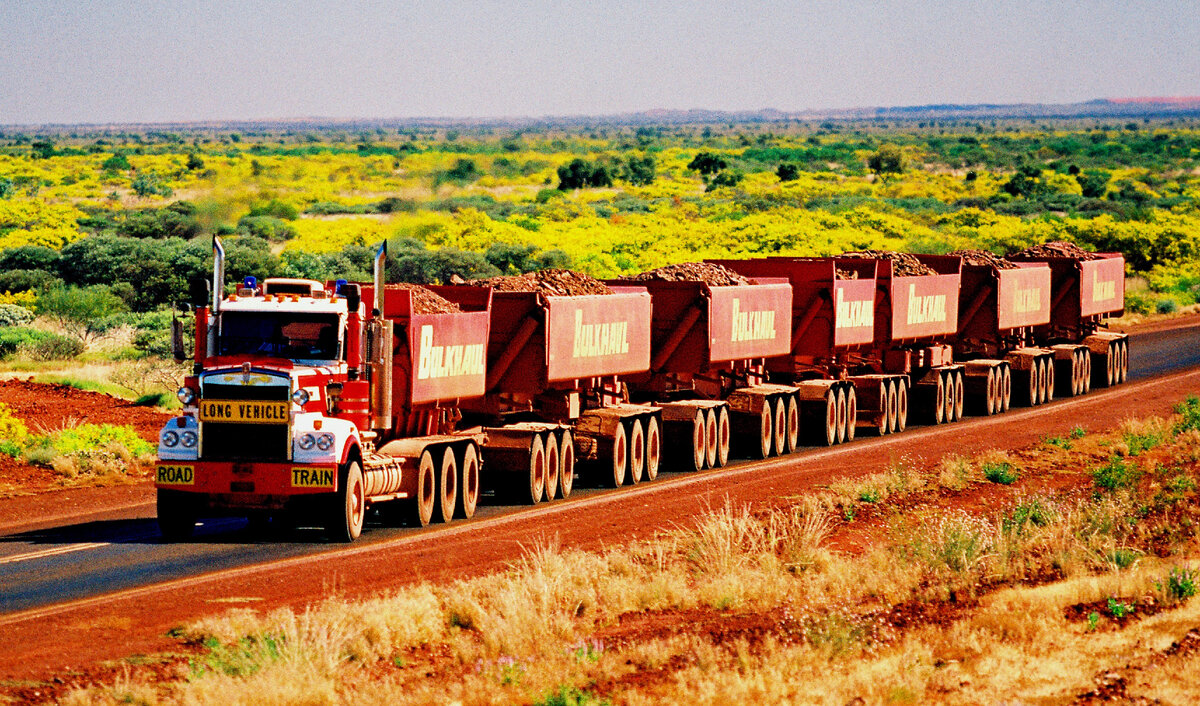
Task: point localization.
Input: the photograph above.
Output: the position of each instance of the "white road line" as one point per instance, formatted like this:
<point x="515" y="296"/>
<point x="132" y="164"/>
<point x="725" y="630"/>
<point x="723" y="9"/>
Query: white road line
<point x="53" y="551"/>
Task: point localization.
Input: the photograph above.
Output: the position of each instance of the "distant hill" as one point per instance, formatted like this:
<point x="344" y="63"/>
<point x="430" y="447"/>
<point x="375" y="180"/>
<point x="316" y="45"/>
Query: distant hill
<point x="1110" y="108"/>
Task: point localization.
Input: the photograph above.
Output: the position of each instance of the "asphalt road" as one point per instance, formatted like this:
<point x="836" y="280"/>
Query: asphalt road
<point x="122" y="550"/>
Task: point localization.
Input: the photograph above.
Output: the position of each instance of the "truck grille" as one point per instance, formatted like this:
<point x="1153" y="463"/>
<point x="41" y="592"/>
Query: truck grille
<point x="262" y="442"/>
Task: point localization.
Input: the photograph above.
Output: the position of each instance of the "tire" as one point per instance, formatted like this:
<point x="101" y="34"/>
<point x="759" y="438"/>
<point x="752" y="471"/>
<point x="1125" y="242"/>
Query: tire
<point x="991" y="397"/>
<point x="1050" y="380"/>
<point x="766" y="433"/>
<point x="637" y="451"/>
<point x="851" y="412"/>
<point x="831" y="417"/>
<point x="779" y="427"/>
<point x="653" y="447"/>
<point x="1124" y="360"/>
<point x="566" y="471"/>
<point x="177" y="515"/>
<point x="890" y="406"/>
<point x="553" y="465"/>
<point x="535" y="488"/>
<point x="947" y="397"/>
<point x="710" y="438"/>
<point x="901" y="404"/>
<point x="1087" y="372"/>
<point x="468" y="485"/>
<point x="959" y="393"/>
<point x="420" y="511"/>
<point x="348" y="507"/>
<point x="619" y="457"/>
<point x="723" y="436"/>
<point x="841" y="415"/>
<point x="793" y="423"/>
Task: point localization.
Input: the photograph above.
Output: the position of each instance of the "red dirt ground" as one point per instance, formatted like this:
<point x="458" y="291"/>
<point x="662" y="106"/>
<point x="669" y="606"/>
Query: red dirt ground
<point x="57" y="639"/>
<point x="49" y="407"/>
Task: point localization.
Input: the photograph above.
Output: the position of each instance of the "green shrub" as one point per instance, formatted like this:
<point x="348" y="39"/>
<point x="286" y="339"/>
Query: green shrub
<point x="1189" y="409"/>
<point x="1002" y="473"/>
<point x="14" y="315"/>
<point x="1180" y="584"/>
<point x="52" y="346"/>
<point x="1166" y="306"/>
<point x="1116" y="474"/>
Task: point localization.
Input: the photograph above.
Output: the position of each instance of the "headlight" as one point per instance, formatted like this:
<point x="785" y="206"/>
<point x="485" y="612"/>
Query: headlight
<point x="186" y="395"/>
<point x="300" y="397"/>
<point x="306" y="441"/>
<point x="170" y="439"/>
<point x="189" y="439"/>
<point x="325" y="442"/>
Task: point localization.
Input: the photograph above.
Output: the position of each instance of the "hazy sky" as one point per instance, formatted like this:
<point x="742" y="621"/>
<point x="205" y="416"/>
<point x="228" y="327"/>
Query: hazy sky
<point x="72" y="61"/>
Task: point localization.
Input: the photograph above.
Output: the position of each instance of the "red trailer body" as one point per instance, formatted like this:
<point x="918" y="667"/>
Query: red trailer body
<point x="1083" y="294"/>
<point x="708" y="349"/>
<point x="553" y="393"/>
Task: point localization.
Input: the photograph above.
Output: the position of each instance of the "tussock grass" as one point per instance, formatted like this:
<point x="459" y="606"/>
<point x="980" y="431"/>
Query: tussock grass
<point x="986" y="592"/>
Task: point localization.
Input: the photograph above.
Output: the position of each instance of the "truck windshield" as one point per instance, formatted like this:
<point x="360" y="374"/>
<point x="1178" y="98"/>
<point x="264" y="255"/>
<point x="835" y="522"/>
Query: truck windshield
<point x="300" y="337"/>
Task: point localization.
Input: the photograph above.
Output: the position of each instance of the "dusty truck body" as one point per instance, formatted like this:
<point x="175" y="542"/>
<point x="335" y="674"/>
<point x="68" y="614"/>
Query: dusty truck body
<point x="553" y="395"/>
<point x="302" y="406"/>
<point x="1085" y="292"/>
<point x="707" y="371"/>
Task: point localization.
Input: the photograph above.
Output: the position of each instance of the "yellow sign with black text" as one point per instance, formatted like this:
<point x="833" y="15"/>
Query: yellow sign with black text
<point x="243" y="412"/>
<point x="175" y="475"/>
<point x="312" y="478"/>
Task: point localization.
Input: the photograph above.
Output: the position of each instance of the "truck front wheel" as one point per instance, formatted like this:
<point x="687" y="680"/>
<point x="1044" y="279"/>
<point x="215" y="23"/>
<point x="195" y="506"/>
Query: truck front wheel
<point x="348" y="507"/>
<point x="177" y="515"/>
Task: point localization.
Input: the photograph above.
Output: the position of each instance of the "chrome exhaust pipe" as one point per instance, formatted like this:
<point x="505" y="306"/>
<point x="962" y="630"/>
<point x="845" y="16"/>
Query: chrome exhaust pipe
<point x="218" y="291"/>
<point x="380" y="257"/>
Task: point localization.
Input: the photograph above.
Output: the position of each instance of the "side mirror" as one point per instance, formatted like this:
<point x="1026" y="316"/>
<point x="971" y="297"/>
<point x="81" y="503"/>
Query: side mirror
<point x="178" y="348"/>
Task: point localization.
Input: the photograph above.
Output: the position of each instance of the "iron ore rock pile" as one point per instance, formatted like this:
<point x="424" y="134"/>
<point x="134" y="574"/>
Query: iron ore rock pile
<point x="425" y="301"/>
<point x="712" y="274"/>
<point x="1056" y="248"/>
<point x="984" y="258"/>
<point x="839" y="273"/>
<point x="903" y="264"/>
<point x="558" y="283"/>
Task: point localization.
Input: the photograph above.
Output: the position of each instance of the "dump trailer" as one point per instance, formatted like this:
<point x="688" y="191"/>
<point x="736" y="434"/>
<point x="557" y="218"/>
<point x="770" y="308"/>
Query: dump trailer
<point x="997" y="312"/>
<point x="302" y="406"/>
<point x="1084" y="292"/>
<point x="708" y="350"/>
<point x="554" y="396"/>
<point x="832" y="329"/>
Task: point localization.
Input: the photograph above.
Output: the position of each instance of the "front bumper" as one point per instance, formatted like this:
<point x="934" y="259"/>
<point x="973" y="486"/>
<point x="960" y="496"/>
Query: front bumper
<point x="246" y="484"/>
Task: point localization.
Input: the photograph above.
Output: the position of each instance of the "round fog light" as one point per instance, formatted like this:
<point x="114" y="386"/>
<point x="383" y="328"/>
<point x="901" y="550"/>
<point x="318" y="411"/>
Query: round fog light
<point x="186" y="395"/>
<point x="170" y="439"/>
<point x="325" y="442"/>
<point x="306" y="442"/>
<point x="189" y="439"/>
<point x="300" y="397"/>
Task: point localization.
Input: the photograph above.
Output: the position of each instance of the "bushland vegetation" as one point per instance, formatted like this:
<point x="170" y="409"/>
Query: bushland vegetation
<point x="118" y="223"/>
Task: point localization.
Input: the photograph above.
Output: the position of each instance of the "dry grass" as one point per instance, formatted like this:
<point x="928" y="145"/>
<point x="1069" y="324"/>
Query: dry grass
<point x="962" y="605"/>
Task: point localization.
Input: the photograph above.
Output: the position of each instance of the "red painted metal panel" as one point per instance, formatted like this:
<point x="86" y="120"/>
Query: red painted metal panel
<point x="923" y="306"/>
<point x="1022" y="296"/>
<point x="853" y="312"/>
<point x="1102" y="285"/>
<point x="448" y="356"/>
<point x="597" y="335"/>
<point x="752" y="321"/>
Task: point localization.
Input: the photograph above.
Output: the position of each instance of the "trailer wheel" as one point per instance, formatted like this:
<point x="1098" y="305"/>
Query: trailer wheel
<point x="723" y="436"/>
<point x="447" y="488"/>
<point x="766" y="435"/>
<point x="468" y="486"/>
<point x="1077" y="372"/>
<point x="959" y="384"/>
<point x="710" y="438"/>
<point x="348" y="507"/>
<point x="851" y="412"/>
<point x="620" y="456"/>
<point x="1124" y="360"/>
<point x="1005" y="387"/>
<point x="779" y="427"/>
<point x="177" y="515"/>
<point x="841" y="415"/>
<point x="887" y="403"/>
<point x="653" y="447"/>
<point x="793" y="423"/>
<point x="831" y="417"/>
<point x="1050" y="379"/>
<point x="422" y="502"/>
<point x="637" y="451"/>
<point x="990" y="396"/>
<point x="902" y="404"/>
<point x="536" y="485"/>
<point x="1086" y="375"/>
<point x="553" y="464"/>
<point x="566" y="471"/>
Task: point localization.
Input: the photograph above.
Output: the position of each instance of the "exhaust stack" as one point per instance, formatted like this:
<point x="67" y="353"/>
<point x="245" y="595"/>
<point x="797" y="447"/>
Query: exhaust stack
<point x="218" y="291"/>
<point x="379" y="352"/>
